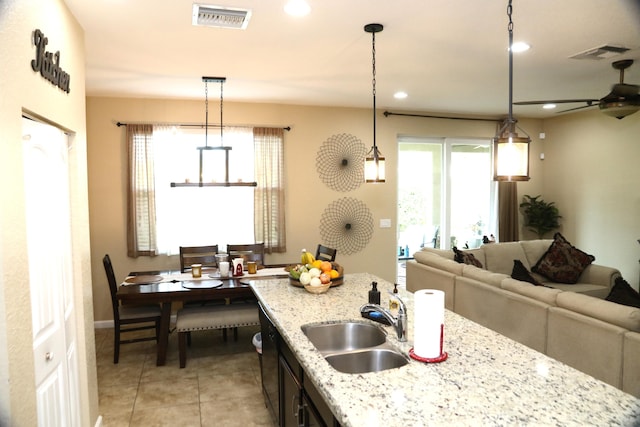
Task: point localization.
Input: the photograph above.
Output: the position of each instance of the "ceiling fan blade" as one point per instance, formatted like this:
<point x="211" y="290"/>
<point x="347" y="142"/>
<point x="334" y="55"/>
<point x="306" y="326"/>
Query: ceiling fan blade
<point x="557" y="101"/>
<point x="577" y="108"/>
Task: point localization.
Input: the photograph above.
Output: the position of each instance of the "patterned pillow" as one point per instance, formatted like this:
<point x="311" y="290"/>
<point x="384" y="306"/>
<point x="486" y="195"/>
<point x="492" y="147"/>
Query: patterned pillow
<point x="562" y="263"/>
<point x="465" y="258"/>
<point x="520" y="272"/>
<point x="623" y="293"/>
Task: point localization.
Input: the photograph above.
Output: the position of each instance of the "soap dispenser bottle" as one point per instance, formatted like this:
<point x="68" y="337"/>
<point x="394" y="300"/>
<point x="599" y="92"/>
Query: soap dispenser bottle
<point x="374" y="294"/>
<point x="393" y="301"/>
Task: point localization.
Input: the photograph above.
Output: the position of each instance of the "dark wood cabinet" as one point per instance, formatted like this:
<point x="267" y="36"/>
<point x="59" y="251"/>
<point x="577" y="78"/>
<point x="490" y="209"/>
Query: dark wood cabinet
<point x="294" y="401"/>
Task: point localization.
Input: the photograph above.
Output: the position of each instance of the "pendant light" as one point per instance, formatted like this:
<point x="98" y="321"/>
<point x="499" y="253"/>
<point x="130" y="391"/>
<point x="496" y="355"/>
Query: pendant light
<point x="207" y="147"/>
<point x="510" y="151"/>
<point x="374" y="162"/>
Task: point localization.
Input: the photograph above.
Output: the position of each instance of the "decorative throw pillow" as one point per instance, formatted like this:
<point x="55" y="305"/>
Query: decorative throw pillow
<point x="562" y="263"/>
<point x="520" y="272"/>
<point x="465" y="258"/>
<point x="623" y="293"/>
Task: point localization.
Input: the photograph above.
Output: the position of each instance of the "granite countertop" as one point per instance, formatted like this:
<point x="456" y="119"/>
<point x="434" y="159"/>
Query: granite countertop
<point x="488" y="379"/>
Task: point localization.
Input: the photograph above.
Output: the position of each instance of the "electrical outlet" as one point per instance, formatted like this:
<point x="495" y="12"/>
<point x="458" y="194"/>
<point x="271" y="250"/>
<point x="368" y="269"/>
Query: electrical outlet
<point x="385" y="223"/>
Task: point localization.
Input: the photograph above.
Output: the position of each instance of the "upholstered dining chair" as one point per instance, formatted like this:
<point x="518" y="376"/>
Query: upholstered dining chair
<point x="148" y="316"/>
<point x="325" y="253"/>
<point x="205" y="255"/>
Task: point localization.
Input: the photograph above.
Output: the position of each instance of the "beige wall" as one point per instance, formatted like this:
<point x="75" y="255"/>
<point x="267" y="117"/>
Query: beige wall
<point x="21" y="89"/>
<point x="310" y="127"/>
<point x="591" y="171"/>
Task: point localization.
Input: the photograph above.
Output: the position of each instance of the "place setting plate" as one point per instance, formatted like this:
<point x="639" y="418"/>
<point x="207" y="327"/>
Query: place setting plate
<point x="201" y="284"/>
<point x="143" y="279"/>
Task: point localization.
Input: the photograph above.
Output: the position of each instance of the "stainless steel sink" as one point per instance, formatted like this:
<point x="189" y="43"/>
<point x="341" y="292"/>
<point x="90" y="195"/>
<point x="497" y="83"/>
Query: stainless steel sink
<point x="372" y="360"/>
<point x="332" y="337"/>
<point x="354" y="347"/>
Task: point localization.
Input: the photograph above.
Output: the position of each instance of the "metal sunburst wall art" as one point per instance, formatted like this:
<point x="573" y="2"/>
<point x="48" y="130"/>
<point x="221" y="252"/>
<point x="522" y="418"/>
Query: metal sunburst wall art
<point x="347" y="225"/>
<point x="340" y="162"/>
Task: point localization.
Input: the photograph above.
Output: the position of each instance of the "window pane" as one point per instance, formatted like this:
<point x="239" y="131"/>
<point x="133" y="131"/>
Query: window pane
<point x="470" y="194"/>
<point x="192" y="216"/>
<point x="419" y="194"/>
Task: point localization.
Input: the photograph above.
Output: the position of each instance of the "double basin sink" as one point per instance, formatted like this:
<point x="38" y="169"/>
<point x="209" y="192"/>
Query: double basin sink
<point x="354" y="347"/>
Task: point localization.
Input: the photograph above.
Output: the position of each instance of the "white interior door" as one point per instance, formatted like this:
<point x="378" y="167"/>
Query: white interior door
<point x="48" y="220"/>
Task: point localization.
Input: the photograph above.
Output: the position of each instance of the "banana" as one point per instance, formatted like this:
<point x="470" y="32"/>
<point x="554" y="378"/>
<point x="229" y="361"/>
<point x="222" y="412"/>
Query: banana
<point x="307" y="257"/>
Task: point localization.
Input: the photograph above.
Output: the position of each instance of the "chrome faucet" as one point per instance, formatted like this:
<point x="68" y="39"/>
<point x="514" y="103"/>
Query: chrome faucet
<point x="375" y="311"/>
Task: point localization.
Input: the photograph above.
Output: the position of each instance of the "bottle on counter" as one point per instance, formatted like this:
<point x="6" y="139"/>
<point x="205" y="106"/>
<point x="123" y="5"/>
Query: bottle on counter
<point x="394" y="305"/>
<point x="374" y="294"/>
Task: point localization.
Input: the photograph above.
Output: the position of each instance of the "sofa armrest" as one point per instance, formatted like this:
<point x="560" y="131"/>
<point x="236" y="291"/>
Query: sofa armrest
<point x="599" y="275"/>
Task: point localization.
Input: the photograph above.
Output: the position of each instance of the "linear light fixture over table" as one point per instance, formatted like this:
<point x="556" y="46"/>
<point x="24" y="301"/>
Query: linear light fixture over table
<point x="510" y="151"/>
<point x="374" y="161"/>
<point x="207" y="147"/>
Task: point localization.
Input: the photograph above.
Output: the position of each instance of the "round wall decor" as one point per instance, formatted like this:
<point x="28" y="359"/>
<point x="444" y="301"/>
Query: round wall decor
<point x="340" y="162"/>
<point x="347" y="225"/>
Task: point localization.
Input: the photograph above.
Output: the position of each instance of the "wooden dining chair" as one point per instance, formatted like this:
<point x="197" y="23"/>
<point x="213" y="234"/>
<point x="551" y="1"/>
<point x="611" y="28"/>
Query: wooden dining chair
<point x="250" y="252"/>
<point x="148" y="316"/>
<point x="325" y="253"/>
<point x="205" y="255"/>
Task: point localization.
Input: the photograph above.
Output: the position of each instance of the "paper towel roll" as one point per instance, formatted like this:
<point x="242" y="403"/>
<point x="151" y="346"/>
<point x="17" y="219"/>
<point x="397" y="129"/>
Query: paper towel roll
<point x="428" y="328"/>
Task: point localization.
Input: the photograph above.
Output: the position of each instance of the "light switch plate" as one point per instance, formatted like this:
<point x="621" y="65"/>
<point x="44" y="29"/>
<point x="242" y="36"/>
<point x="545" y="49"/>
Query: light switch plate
<point x="385" y="223"/>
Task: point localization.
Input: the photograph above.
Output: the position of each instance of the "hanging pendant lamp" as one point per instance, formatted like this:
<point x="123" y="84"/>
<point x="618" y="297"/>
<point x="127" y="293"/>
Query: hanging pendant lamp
<point x="208" y="147"/>
<point x="510" y="151"/>
<point x="374" y="161"/>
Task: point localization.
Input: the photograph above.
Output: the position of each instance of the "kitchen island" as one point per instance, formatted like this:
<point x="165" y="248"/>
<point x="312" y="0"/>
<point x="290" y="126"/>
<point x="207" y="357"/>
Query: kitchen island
<point x="488" y="379"/>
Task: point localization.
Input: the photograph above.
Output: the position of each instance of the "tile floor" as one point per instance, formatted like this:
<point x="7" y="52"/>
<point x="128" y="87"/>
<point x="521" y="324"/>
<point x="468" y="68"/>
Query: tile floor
<point x="220" y="386"/>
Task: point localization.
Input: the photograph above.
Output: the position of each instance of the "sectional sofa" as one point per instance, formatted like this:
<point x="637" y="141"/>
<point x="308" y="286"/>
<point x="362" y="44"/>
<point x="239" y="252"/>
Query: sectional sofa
<point x="572" y="323"/>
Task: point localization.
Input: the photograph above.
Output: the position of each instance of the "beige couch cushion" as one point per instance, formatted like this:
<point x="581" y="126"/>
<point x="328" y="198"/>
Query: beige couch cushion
<point x="592" y="290"/>
<point x="631" y="364"/>
<point x="587" y="344"/>
<point x="438" y="261"/>
<point x="534" y="249"/>
<point x="499" y="257"/>
<point x="482" y="275"/>
<point x="607" y="311"/>
<point x="520" y="318"/>
<point x="540" y="293"/>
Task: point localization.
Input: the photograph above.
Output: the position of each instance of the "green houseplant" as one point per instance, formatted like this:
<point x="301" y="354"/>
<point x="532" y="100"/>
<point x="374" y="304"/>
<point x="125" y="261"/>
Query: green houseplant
<point x="540" y="217"/>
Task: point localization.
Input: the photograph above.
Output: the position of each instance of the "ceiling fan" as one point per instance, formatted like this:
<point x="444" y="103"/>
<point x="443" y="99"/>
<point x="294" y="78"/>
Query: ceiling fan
<point x="623" y="100"/>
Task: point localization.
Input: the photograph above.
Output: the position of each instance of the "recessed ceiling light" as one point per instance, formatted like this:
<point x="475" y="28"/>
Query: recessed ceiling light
<point x="549" y="106"/>
<point x="520" y="47"/>
<point x="297" y="8"/>
<point x="400" y="95"/>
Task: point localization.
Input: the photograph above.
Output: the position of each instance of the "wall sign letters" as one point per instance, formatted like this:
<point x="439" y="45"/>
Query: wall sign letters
<point x="48" y="63"/>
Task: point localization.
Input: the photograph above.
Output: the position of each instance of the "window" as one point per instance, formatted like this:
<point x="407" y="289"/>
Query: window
<point x="163" y="218"/>
<point x="446" y="196"/>
<point x="197" y="216"/>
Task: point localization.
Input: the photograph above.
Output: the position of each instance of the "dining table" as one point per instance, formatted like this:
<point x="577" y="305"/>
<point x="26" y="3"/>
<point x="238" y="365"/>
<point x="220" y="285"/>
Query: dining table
<point x="167" y="287"/>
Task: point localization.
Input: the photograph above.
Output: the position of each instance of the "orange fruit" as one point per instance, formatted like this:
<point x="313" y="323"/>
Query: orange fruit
<point x="326" y="266"/>
<point x="317" y="263"/>
<point x="334" y="274"/>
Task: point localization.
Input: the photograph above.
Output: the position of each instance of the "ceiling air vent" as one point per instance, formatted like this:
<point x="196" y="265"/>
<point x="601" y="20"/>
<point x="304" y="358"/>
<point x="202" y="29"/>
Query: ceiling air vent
<point x="601" y="52"/>
<point x="220" y="17"/>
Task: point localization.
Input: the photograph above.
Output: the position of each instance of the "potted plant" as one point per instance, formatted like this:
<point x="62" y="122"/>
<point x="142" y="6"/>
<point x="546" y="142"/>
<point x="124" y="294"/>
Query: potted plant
<point x="540" y="217"/>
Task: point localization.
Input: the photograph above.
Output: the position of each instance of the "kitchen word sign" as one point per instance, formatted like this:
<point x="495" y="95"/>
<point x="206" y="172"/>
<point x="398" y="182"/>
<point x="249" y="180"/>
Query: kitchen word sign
<point x="48" y="63"/>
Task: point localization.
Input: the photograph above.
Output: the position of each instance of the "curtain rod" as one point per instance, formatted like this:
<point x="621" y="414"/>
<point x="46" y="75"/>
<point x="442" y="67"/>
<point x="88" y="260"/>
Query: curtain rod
<point x="389" y="113"/>
<point x="199" y="125"/>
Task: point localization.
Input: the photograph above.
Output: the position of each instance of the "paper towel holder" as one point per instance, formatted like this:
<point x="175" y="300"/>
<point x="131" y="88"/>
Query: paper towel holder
<point x="438" y="359"/>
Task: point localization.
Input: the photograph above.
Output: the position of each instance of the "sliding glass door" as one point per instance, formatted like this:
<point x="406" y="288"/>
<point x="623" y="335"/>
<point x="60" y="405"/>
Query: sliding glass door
<point x="446" y="196"/>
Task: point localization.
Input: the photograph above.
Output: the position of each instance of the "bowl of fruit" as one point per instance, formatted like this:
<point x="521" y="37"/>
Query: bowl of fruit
<point x="316" y="273"/>
<point x="317" y="289"/>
